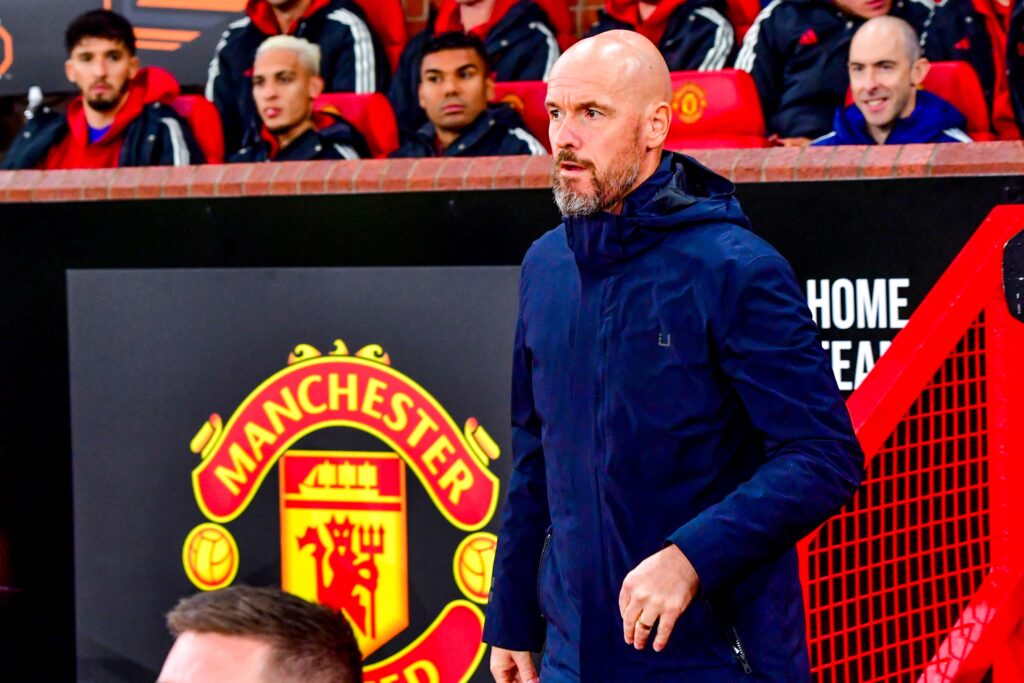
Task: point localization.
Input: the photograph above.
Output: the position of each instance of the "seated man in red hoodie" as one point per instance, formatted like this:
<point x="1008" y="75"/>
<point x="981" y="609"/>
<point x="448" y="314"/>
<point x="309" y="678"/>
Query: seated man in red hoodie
<point x="518" y="37"/>
<point x="285" y="82"/>
<point x="124" y="115"/>
<point x="692" y="35"/>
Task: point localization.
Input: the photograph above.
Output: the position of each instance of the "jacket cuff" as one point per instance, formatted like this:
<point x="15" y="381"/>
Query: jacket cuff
<point x="508" y="623"/>
<point x="703" y="549"/>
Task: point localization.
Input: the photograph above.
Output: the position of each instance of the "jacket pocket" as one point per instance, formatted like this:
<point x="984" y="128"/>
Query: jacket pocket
<point x="732" y="638"/>
<point x="544" y="550"/>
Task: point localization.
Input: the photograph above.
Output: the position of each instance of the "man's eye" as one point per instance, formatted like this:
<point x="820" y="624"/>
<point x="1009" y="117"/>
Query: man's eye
<point x="554" y="113"/>
<point x="592" y="113"/>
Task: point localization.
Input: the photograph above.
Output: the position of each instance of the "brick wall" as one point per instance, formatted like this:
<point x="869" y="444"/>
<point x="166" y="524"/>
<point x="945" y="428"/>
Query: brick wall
<point x="820" y="164"/>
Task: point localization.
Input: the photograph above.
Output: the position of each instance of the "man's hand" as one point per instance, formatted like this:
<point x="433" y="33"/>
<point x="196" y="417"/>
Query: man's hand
<point x="511" y="666"/>
<point x="658" y="590"/>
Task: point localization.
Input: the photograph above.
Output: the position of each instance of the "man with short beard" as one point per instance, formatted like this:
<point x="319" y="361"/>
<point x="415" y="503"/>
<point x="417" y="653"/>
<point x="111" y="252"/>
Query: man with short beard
<point x="676" y="427"/>
<point x="124" y="115"/>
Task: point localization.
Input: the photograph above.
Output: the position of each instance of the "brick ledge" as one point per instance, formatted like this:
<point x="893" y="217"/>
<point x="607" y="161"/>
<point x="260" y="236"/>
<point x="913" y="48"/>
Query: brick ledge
<point x="487" y="173"/>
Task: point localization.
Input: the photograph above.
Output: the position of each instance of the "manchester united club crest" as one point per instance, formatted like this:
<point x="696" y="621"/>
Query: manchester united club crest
<point x="343" y="514"/>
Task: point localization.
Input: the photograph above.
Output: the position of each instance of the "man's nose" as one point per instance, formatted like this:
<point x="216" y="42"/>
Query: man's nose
<point x="451" y="86"/>
<point x="563" y="133"/>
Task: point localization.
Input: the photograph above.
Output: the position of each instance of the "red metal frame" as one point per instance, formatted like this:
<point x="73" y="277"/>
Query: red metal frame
<point x="921" y="577"/>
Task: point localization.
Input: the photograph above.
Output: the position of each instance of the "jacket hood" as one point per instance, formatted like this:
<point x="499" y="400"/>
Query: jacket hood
<point x="681" y="194"/>
<point x="930" y="117"/>
<point x="150" y="85"/>
<point x="262" y="15"/>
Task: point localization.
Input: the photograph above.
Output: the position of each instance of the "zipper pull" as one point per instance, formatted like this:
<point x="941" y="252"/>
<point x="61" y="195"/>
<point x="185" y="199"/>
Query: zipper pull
<point x="741" y="656"/>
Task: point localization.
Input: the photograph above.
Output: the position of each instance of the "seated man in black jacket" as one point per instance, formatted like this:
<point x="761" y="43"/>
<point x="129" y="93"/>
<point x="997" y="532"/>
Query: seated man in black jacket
<point x="285" y="82"/>
<point x="455" y="86"/>
<point x="518" y="39"/>
<point x="351" y="54"/>
<point x="123" y="116"/>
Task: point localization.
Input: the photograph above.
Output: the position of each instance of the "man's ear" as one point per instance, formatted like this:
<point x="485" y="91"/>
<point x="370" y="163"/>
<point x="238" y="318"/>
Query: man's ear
<point x="419" y="95"/>
<point x="489" y="87"/>
<point x="316" y="87"/>
<point x="658" y="123"/>
<point x="67" y="70"/>
<point x="133" y="66"/>
<point x="918" y="71"/>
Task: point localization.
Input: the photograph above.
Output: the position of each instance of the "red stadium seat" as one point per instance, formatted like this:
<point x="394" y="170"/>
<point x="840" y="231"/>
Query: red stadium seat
<point x="527" y="98"/>
<point x="715" y="109"/>
<point x="370" y="114"/>
<point x="204" y="120"/>
<point x="741" y="14"/>
<point x="957" y="83"/>
<point x="387" y="18"/>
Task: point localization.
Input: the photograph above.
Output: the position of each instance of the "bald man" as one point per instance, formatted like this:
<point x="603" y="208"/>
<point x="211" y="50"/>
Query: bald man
<point x="675" y="424"/>
<point x="886" y="70"/>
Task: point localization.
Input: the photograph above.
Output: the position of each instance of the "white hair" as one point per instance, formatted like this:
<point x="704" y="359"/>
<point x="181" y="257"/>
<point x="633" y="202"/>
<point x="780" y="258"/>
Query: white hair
<point x="307" y="52"/>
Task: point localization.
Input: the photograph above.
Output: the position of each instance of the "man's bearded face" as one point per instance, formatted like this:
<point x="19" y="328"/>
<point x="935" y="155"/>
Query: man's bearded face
<point x="583" y="189"/>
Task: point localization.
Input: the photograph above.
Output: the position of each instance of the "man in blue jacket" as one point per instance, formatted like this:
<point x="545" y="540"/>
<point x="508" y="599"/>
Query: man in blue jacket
<point x="676" y="428"/>
<point x="797" y="53"/>
<point x="886" y="70"/>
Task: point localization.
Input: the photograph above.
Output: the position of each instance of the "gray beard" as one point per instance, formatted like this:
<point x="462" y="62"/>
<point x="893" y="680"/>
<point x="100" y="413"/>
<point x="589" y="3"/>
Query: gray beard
<point x="607" y="191"/>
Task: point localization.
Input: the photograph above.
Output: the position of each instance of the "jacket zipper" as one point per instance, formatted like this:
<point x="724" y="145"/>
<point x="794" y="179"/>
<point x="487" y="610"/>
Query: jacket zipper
<point x="540" y="566"/>
<point x="733" y="638"/>
<point x="738" y="651"/>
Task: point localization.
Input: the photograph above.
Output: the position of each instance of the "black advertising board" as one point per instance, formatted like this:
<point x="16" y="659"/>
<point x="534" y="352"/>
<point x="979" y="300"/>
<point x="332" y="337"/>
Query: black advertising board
<point x="164" y="313"/>
<point x="177" y="35"/>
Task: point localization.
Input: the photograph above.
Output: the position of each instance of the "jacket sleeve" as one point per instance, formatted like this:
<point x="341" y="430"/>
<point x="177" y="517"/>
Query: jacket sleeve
<point x="530" y="59"/>
<point x="762" y="56"/>
<point x="513" y="618"/>
<point x="770" y="352"/>
<point x="222" y="88"/>
<point x="403" y="91"/>
<point x="178" y="146"/>
<point x="704" y="43"/>
<point x="355" y="63"/>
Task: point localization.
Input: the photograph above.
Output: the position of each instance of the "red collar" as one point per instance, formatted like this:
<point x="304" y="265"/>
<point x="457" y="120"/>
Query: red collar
<point x="263" y="18"/>
<point x="448" y="18"/>
<point x="628" y="11"/>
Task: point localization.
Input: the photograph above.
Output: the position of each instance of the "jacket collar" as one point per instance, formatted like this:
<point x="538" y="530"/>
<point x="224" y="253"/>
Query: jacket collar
<point x="467" y="141"/>
<point x="628" y="12"/>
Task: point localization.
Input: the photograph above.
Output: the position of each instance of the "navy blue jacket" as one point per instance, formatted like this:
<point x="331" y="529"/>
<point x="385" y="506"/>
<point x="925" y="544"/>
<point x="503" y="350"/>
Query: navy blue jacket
<point x="352" y="59"/>
<point x="332" y="138"/>
<point x="498" y="131"/>
<point x="668" y="386"/>
<point x="797" y="52"/>
<point x="697" y="35"/>
<point x="933" y="120"/>
<point x="521" y="47"/>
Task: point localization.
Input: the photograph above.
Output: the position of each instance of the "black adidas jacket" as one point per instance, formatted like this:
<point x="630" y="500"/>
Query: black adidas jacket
<point x="352" y="59"/>
<point x="498" y="131"/>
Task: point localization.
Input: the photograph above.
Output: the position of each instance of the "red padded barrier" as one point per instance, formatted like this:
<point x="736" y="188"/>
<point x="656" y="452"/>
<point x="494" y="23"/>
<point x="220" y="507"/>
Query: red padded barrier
<point x="387" y="18"/>
<point x="204" y="119"/>
<point x="527" y="98"/>
<point x="921" y="577"/>
<point x="370" y="114"/>
<point x="715" y="109"/>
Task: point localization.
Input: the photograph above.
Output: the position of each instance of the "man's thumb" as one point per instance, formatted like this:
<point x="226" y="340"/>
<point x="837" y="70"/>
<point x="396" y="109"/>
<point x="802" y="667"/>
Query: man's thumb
<point x="524" y="663"/>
